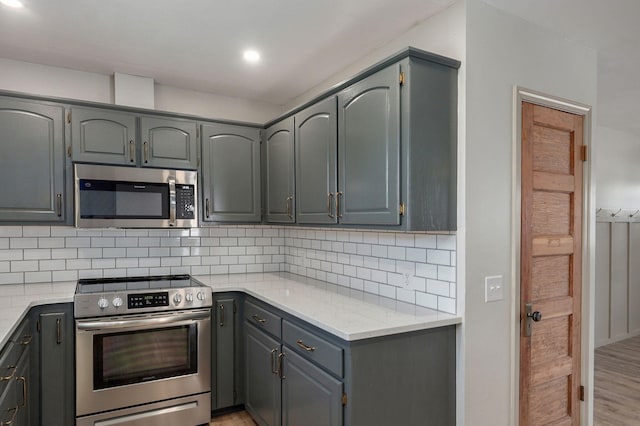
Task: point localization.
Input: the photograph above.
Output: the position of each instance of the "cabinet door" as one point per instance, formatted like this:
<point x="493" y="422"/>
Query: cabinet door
<point x="168" y="143"/>
<point x="9" y="409"/>
<point x="32" y="161"/>
<point x="316" y="162"/>
<point x="280" y="172"/>
<point x="262" y="389"/>
<point x="223" y="392"/>
<point x="103" y="136"/>
<point x="310" y="396"/>
<point x="22" y="390"/>
<point x="56" y="367"/>
<point x="369" y="150"/>
<point x="230" y="173"/>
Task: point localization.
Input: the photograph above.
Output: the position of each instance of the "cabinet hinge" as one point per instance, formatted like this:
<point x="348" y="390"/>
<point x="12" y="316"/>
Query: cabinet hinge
<point x="403" y="209"/>
<point x="68" y="117"/>
<point x="583" y="152"/>
<point x="344" y="399"/>
<point x="69" y="151"/>
<point x="38" y="326"/>
<point x="581" y="393"/>
<point x="401" y="78"/>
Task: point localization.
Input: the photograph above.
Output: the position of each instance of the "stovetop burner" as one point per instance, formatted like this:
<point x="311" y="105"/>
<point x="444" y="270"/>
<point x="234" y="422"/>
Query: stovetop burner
<point x="96" y="297"/>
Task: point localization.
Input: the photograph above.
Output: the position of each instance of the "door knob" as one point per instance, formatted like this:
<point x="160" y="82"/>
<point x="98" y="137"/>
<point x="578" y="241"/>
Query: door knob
<point x="536" y="316"/>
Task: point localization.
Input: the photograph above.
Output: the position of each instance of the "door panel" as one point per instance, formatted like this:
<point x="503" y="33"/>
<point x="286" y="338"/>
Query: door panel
<point x="369" y="150"/>
<point x="32" y="161"/>
<point x="280" y="172"/>
<point x="99" y="136"/>
<point x="168" y="143"/>
<point x="550" y="263"/>
<point x="230" y="173"/>
<point x="263" y="394"/>
<point x="224" y="354"/>
<point x="316" y="157"/>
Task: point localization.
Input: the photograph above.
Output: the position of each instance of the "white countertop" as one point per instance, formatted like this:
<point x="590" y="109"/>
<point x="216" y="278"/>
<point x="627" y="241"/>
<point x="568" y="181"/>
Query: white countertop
<point x="345" y="313"/>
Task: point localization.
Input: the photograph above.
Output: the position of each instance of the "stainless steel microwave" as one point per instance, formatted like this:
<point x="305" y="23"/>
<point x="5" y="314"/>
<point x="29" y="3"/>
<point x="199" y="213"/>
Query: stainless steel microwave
<point x="128" y="197"/>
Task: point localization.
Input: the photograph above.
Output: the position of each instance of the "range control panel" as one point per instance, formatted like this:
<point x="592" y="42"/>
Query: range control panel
<point x="148" y="300"/>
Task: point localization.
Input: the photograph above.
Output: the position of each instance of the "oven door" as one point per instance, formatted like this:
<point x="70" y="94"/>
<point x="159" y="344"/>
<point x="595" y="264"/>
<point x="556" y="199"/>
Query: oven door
<point x="139" y="359"/>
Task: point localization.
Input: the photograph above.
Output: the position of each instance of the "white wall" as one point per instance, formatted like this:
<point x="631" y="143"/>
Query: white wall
<point x="59" y="82"/>
<point x="502" y="51"/>
<point x="617" y="169"/>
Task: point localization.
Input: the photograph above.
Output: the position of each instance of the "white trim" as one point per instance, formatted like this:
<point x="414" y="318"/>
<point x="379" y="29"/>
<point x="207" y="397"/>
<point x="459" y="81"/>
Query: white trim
<point x="588" y="249"/>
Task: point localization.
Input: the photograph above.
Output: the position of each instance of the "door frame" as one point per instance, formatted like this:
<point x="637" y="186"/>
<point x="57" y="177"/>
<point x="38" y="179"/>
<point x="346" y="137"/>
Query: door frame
<point x="521" y="94"/>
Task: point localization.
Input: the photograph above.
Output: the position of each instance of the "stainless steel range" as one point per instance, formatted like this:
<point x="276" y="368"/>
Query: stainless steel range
<point x="143" y="351"/>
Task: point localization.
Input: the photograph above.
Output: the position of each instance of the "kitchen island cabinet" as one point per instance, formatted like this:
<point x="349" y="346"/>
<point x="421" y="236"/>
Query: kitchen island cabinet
<point x="32" y="162"/>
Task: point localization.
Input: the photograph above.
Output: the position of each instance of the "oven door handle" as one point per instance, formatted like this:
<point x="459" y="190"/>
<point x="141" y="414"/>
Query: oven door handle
<point x="138" y="322"/>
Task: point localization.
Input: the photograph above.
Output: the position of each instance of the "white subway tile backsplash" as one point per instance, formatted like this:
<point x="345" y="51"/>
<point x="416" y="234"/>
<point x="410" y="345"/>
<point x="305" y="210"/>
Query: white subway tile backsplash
<point x="416" y="268"/>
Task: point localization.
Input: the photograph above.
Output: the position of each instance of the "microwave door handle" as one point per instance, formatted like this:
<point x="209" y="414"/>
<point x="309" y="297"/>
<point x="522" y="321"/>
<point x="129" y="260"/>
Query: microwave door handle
<point x="172" y="201"/>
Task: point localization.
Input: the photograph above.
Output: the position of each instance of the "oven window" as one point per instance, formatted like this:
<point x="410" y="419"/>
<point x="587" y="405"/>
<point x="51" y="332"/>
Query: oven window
<point x="144" y="355"/>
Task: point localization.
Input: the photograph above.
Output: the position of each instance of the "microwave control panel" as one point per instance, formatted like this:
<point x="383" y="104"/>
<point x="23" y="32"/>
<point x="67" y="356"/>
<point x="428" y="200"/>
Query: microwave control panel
<point x="185" y="202"/>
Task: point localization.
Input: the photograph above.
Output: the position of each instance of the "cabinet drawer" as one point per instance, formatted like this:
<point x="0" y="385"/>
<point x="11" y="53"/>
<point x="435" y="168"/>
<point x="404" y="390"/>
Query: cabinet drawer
<point x="263" y="319"/>
<point x="11" y="354"/>
<point x="313" y="347"/>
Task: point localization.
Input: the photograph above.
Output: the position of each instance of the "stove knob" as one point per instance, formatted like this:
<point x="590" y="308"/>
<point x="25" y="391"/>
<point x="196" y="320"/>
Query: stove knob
<point x="188" y="297"/>
<point x="177" y="298"/>
<point x="103" y="303"/>
<point x="117" y="302"/>
<point x="201" y="295"/>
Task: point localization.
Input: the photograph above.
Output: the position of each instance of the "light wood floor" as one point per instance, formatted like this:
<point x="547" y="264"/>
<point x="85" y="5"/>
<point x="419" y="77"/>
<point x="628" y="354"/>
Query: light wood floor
<point x="240" y="418"/>
<point x="617" y="384"/>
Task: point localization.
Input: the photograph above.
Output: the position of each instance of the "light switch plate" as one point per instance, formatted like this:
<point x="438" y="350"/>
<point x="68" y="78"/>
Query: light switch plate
<point x="493" y="288"/>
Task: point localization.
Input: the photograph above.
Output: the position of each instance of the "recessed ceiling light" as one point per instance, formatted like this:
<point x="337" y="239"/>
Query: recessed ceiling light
<point x="12" y="3"/>
<point x="251" y="56"/>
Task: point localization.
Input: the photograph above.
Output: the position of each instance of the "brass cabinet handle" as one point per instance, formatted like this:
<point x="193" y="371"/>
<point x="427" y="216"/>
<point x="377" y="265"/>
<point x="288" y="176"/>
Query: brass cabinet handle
<point x="274" y="367"/>
<point x="305" y="347"/>
<point x="281" y="366"/>
<point x="288" y="206"/>
<point x="338" y="197"/>
<point x="24" y="391"/>
<point x="207" y="207"/>
<point x="10" y="376"/>
<point x="330" y="196"/>
<point x="12" y="419"/>
<point x="59" y="205"/>
<point x="26" y="339"/>
<point x="221" y="306"/>
<point x="146" y="151"/>
<point x="132" y="151"/>
<point x="260" y="320"/>
<point x="58" y="331"/>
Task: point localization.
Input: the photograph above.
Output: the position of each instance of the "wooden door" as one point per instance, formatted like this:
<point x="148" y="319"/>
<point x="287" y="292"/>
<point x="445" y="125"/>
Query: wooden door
<point x="168" y="143"/>
<point x="550" y="266"/>
<point x="280" y="172"/>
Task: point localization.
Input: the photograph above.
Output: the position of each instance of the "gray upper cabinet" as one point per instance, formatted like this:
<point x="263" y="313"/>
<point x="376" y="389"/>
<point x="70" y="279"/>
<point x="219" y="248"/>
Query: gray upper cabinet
<point x="113" y="137"/>
<point x="168" y="143"/>
<point x="316" y="137"/>
<point x="230" y="173"/>
<point x="32" y="162"/>
<point x="369" y="150"/>
<point x="280" y="172"/>
<point x="103" y="136"/>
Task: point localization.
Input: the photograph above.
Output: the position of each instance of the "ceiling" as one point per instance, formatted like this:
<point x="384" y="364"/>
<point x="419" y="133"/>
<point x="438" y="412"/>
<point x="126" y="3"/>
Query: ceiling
<point x="198" y="44"/>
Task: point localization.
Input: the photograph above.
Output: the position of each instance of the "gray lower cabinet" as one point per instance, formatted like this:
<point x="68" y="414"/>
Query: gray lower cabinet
<point x="53" y="382"/>
<point x="297" y="374"/>
<point x="15" y="378"/>
<point x="227" y="374"/>
<point x="316" y="142"/>
<point x="279" y="173"/>
<point x="125" y="138"/>
<point x="263" y="394"/>
<point x="32" y="162"/>
<point x="230" y="173"/>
